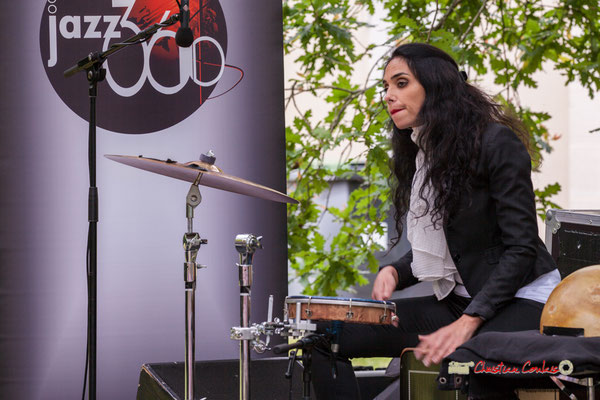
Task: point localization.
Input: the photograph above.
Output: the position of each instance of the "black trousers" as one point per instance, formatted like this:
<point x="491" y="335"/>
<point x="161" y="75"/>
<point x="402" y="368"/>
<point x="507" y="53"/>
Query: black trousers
<point x="417" y="316"/>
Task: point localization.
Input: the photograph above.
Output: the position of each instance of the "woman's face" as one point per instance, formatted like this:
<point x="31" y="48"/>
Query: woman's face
<point x="404" y="95"/>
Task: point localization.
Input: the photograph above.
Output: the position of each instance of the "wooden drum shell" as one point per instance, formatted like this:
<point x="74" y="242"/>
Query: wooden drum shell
<point x="340" y="309"/>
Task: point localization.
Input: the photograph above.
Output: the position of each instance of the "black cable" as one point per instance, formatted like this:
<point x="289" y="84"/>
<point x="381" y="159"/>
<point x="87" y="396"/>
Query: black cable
<point x="231" y="88"/>
<point x="196" y="13"/>
<point x="200" y="8"/>
<point x="87" y="341"/>
<point x="192" y="17"/>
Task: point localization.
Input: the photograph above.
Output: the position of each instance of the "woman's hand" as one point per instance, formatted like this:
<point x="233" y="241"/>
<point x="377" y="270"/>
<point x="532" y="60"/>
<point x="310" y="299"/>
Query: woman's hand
<point x="434" y="347"/>
<point x="385" y="283"/>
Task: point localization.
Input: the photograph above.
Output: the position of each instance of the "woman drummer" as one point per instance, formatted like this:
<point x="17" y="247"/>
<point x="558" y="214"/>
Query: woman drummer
<point x="463" y="180"/>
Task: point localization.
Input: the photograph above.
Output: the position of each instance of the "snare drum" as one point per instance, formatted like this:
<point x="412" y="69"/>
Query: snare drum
<point x="363" y="311"/>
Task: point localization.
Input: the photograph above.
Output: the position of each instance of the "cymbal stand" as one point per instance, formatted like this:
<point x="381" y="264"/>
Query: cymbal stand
<point x="191" y="244"/>
<point x="246" y="245"/>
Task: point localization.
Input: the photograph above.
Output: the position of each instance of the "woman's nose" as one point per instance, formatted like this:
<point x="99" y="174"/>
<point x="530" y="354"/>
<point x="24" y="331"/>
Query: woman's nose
<point x="388" y="98"/>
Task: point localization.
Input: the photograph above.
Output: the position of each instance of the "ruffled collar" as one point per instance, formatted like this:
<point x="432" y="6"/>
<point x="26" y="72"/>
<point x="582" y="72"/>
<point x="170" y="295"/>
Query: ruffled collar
<point x="416" y="132"/>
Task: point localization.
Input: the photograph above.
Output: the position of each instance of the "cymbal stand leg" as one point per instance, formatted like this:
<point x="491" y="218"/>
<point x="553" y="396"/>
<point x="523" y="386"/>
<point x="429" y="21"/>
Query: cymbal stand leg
<point x="246" y="245"/>
<point x="191" y="245"/>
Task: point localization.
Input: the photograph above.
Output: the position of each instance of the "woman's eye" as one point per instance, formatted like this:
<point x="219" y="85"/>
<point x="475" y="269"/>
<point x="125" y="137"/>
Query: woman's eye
<point x="402" y="83"/>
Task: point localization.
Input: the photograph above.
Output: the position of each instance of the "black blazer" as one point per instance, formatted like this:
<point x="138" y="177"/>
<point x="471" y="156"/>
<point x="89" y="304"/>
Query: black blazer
<point x="493" y="237"/>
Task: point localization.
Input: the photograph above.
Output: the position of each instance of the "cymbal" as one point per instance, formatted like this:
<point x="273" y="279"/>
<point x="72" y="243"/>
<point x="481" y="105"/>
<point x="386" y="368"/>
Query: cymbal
<point x="203" y="174"/>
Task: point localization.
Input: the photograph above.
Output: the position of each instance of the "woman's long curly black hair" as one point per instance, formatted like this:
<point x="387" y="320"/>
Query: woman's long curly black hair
<point x="452" y="119"/>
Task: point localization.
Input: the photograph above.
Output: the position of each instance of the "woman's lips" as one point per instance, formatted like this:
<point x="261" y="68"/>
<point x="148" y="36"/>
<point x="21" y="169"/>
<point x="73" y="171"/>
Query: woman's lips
<point x="396" y="110"/>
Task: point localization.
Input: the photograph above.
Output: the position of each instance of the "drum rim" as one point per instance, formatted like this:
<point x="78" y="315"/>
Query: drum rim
<point x="340" y="301"/>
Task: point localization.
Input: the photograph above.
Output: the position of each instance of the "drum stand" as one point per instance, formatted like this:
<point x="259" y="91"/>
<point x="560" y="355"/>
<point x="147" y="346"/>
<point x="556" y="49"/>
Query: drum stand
<point x="246" y="245"/>
<point x="305" y="329"/>
<point x="191" y="244"/>
<point x="309" y="343"/>
<point x="306" y="368"/>
<point x="306" y="344"/>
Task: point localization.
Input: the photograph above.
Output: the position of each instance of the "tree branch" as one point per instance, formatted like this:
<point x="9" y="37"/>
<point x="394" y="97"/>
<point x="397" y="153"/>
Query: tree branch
<point x="306" y="122"/>
<point x="504" y="49"/>
<point x="321" y="87"/>
<point x="291" y="95"/>
<point x="447" y="14"/>
<point x="341" y="111"/>
<point x="473" y="21"/>
<point x="437" y="8"/>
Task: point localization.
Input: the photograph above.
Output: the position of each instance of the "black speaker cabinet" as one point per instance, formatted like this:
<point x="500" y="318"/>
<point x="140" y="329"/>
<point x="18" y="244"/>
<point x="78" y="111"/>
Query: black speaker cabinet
<point x="218" y="380"/>
<point x="573" y="238"/>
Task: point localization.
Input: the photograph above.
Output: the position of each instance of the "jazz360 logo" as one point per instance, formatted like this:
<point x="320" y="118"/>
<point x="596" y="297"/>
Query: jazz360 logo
<point x="150" y="86"/>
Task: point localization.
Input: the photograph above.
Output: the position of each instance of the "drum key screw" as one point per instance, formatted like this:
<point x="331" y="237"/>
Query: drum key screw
<point x="350" y="314"/>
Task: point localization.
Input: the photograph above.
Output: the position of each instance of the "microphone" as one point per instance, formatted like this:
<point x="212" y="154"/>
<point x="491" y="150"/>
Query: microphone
<point x="184" y="36"/>
<point x="305" y="342"/>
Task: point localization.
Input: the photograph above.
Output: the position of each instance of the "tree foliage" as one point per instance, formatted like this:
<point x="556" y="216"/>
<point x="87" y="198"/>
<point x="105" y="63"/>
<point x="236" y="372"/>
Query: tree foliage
<point x="511" y="40"/>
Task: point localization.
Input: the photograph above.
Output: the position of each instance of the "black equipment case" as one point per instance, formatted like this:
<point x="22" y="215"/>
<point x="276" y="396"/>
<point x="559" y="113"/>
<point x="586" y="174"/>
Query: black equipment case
<point x="573" y="238"/>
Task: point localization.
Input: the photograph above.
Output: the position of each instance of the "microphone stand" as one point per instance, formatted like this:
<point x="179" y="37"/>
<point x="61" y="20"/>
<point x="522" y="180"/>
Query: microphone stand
<point x="306" y="344"/>
<point x="92" y="65"/>
<point x="97" y="58"/>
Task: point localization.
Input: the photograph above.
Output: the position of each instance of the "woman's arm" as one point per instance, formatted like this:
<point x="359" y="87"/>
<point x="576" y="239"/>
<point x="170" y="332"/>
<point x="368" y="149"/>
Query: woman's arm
<point x="395" y="276"/>
<point x="509" y="170"/>
<point x="511" y="190"/>
<point x="385" y="283"/>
